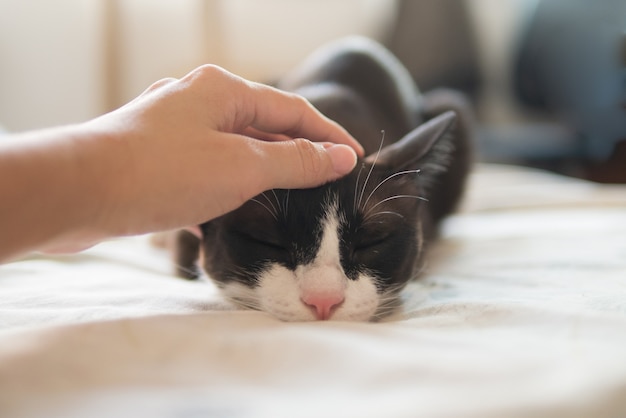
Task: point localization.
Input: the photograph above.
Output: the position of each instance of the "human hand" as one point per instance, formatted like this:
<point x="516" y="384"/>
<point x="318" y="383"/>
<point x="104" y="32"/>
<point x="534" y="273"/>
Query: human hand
<point x="183" y="152"/>
<point x="189" y="150"/>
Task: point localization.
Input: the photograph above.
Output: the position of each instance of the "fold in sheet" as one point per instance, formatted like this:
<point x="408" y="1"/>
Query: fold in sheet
<point x="521" y="312"/>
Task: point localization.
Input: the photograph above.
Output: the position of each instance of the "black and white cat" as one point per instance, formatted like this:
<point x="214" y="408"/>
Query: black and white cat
<point x="344" y="251"/>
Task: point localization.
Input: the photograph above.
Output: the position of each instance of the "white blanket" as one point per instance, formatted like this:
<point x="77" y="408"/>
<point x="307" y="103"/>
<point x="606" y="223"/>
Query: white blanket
<point x="521" y="313"/>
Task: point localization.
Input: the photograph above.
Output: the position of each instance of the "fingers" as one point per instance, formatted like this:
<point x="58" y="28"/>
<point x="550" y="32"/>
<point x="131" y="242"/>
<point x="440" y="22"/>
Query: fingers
<point x="273" y="114"/>
<point x="300" y="163"/>
<point x="264" y="136"/>
<point x="285" y="113"/>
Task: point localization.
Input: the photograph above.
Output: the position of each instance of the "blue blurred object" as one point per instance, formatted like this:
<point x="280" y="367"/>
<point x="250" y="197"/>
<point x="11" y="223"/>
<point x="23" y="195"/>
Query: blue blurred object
<point x="572" y="61"/>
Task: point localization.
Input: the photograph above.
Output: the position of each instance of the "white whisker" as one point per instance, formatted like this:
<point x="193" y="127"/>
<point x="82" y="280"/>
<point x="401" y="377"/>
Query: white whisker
<point x="278" y="205"/>
<point x="266" y="208"/>
<point x="275" y="211"/>
<point x="356" y="188"/>
<point x="400" y="196"/>
<point x="389" y="178"/>
<point x="246" y="303"/>
<point x="382" y="141"/>
<point x="389" y="301"/>
<point x="386" y="212"/>
<point x="286" y="204"/>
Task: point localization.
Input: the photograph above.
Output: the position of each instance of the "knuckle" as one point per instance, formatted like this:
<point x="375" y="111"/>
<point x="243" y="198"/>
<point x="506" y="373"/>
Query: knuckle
<point x="303" y="109"/>
<point x="299" y="100"/>
<point x="207" y="71"/>
<point x="216" y="83"/>
<point x="209" y="76"/>
<point x="301" y="103"/>
<point x="161" y="83"/>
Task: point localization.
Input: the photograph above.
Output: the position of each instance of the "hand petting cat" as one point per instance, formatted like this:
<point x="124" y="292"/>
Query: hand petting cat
<point x="183" y="152"/>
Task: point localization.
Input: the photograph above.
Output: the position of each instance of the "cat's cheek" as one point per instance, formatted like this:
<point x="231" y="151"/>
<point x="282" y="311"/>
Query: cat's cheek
<point x="362" y="300"/>
<point x="280" y="293"/>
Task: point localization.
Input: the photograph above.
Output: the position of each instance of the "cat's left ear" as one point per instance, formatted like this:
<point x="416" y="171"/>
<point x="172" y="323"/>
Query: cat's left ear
<point x="430" y="139"/>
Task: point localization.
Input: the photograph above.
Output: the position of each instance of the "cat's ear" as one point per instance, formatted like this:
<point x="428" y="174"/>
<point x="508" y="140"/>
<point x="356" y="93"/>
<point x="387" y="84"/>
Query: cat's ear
<point x="429" y="141"/>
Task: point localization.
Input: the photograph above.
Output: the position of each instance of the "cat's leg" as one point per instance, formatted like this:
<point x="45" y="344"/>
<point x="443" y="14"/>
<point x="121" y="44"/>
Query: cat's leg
<point x="186" y="250"/>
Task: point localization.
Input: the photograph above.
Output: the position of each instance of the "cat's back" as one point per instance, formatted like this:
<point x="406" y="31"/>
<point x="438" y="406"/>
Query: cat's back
<point x="362" y="86"/>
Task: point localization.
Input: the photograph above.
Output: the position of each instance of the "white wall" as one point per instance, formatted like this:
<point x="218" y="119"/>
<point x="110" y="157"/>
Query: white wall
<point x="153" y="39"/>
<point x="63" y="61"/>
<point x="263" y="39"/>
<point x="69" y="60"/>
<point x="257" y="39"/>
<point x="51" y="67"/>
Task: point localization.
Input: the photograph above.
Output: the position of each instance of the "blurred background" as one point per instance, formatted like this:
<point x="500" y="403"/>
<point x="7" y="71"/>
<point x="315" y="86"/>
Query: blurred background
<point x="547" y="78"/>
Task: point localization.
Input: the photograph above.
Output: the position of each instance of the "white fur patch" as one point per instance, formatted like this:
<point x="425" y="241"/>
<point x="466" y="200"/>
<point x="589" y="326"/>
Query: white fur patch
<point x="280" y="290"/>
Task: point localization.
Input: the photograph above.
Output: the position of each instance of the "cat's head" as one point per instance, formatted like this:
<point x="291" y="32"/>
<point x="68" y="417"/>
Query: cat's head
<point x="341" y="251"/>
<point x="345" y="250"/>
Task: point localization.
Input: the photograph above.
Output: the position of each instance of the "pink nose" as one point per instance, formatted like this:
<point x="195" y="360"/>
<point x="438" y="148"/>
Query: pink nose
<point x="323" y="304"/>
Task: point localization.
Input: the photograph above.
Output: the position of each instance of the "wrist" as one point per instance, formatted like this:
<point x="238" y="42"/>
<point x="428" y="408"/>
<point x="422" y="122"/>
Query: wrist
<point x="98" y="172"/>
<point x="52" y="189"/>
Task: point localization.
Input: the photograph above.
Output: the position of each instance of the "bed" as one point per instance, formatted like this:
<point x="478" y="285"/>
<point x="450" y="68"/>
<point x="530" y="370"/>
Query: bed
<point x="521" y="312"/>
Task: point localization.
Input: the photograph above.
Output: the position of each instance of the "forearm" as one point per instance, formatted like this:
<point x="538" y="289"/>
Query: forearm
<point x="178" y="155"/>
<point x="49" y="191"/>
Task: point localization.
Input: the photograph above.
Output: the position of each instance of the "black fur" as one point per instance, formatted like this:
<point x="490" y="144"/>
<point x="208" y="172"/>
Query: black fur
<point x="240" y="245"/>
<point x="364" y="88"/>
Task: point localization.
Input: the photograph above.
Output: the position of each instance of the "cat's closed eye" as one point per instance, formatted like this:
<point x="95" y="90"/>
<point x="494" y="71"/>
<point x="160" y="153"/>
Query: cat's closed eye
<point x="259" y="239"/>
<point x="369" y="241"/>
<point x="344" y="250"/>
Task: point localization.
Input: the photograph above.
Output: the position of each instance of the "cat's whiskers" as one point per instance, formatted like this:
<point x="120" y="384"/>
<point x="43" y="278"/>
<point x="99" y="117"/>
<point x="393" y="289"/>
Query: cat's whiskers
<point x="370" y="213"/>
<point x="264" y="194"/>
<point x="368" y="216"/>
<point x="278" y="206"/>
<point x="272" y="212"/>
<point x="356" y="189"/>
<point x="400" y="173"/>
<point x="385" y="310"/>
<point x="242" y="296"/>
<point x="246" y="303"/>
<point x="382" y="141"/>
<point x="286" y="204"/>
<point x="389" y="301"/>
<point x="399" y="196"/>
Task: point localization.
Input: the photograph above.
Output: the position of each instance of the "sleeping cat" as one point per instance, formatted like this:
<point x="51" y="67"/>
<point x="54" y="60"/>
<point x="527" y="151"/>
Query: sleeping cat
<point x="345" y="250"/>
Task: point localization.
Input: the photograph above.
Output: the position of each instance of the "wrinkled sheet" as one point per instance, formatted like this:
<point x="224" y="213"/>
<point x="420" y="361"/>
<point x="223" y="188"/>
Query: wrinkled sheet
<point x="521" y="312"/>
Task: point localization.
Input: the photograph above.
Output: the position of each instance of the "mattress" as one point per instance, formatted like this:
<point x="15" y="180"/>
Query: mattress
<point x="520" y="312"/>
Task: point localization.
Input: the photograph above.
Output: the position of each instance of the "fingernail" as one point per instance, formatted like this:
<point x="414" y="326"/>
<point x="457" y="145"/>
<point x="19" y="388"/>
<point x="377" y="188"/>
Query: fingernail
<point x="343" y="158"/>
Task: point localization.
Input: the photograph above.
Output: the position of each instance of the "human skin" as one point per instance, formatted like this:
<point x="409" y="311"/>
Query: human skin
<point x="183" y="152"/>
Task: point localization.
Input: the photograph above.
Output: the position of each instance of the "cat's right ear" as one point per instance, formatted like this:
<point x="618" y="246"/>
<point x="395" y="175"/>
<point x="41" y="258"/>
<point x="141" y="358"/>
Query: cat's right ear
<point x="426" y="141"/>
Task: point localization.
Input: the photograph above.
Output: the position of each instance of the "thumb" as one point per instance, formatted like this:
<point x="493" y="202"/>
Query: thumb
<point x="300" y="163"/>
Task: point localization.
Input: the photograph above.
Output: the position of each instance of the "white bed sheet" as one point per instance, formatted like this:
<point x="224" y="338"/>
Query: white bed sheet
<point x="521" y="313"/>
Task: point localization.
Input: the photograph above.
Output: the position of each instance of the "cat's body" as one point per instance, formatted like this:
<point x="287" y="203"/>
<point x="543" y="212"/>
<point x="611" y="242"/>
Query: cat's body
<point x="343" y="251"/>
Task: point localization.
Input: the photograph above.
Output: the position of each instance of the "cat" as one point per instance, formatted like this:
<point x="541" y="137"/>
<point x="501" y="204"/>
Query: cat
<point x="345" y="250"/>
